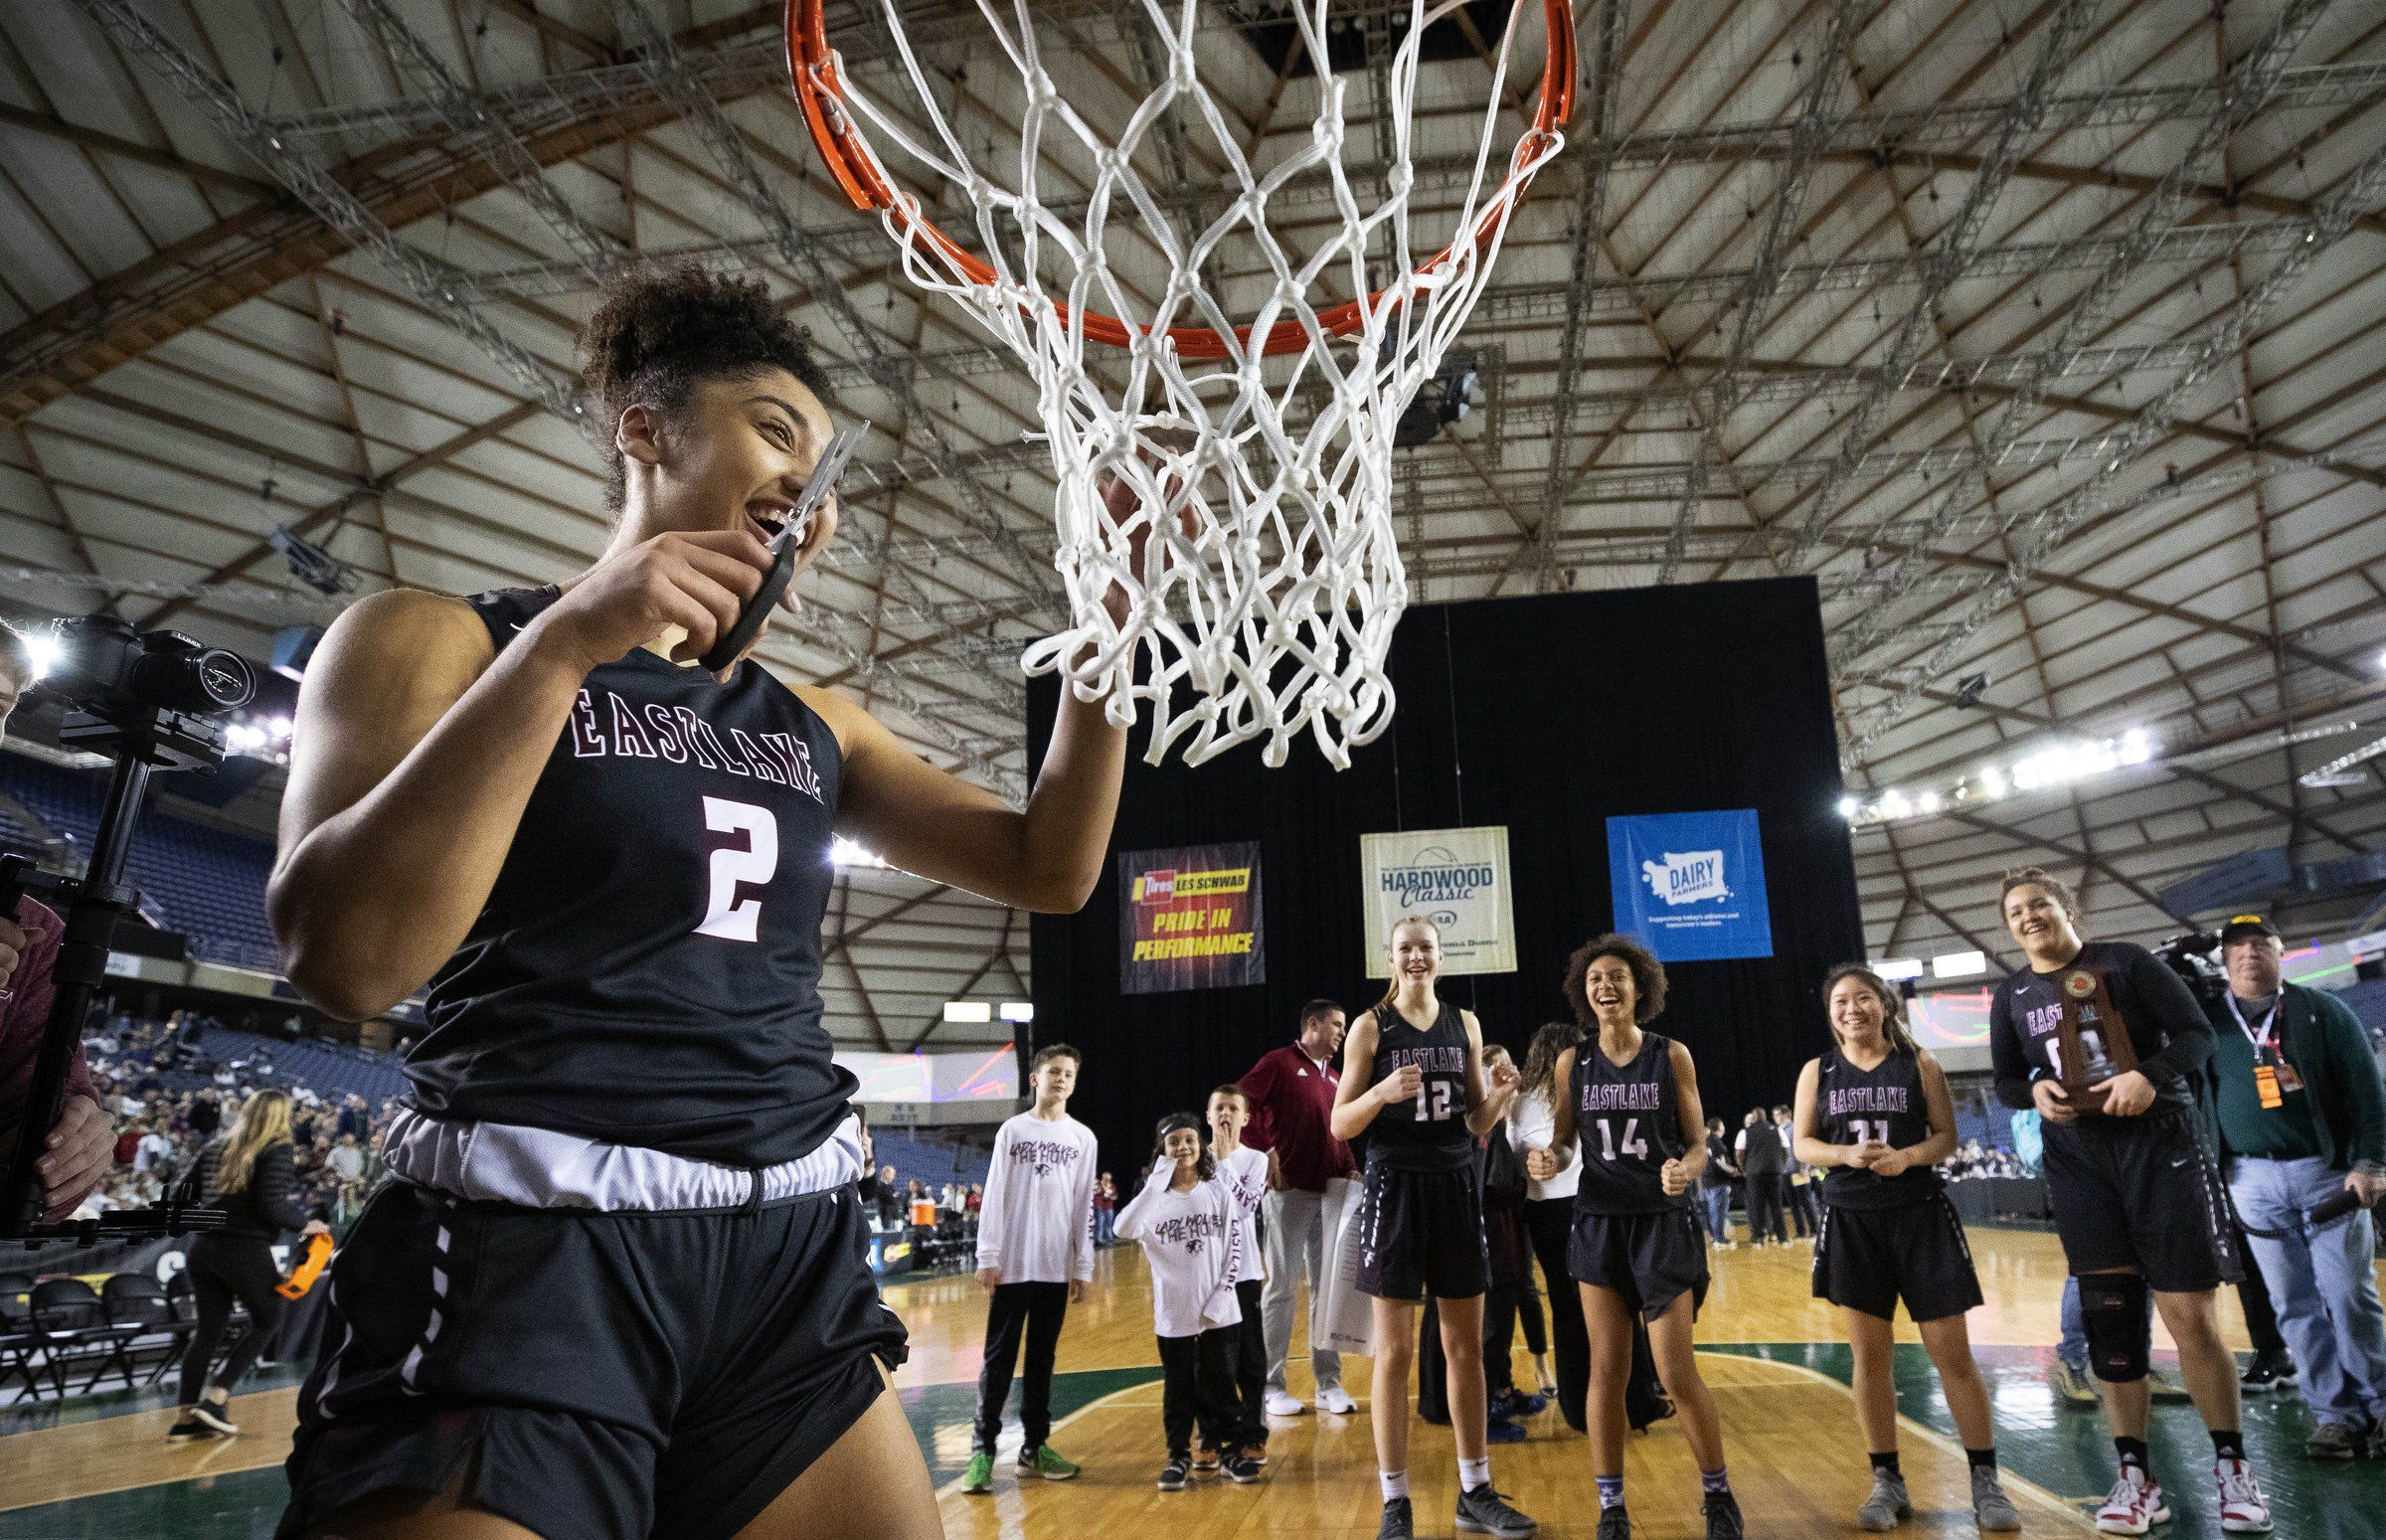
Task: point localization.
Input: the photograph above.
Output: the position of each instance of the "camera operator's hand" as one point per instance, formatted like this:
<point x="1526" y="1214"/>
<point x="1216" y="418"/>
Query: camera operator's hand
<point x="15" y="941"/>
<point x="2053" y="1105"/>
<point x="694" y="582"/>
<point x="2367" y="1185"/>
<point x="78" y="1155"/>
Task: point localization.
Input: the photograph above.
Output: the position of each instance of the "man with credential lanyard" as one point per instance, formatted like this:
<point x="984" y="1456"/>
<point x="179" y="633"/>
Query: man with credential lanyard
<point x="2301" y="1115"/>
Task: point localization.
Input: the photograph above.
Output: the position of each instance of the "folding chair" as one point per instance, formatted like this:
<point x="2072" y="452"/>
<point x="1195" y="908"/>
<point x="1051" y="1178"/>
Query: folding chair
<point x="18" y="1340"/>
<point x="140" y="1316"/>
<point x="71" y="1322"/>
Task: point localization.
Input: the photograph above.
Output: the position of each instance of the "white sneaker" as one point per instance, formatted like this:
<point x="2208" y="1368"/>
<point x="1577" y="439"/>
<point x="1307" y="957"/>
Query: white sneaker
<point x="2135" y="1506"/>
<point x="1283" y="1403"/>
<point x="1336" y="1400"/>
<point x="2242" y="1508"/>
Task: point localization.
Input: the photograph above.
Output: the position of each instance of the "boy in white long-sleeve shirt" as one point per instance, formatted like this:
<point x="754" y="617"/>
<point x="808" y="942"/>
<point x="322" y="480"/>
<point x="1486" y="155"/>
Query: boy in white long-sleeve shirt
<point x="1035" y="1255"/>
<point x="1189" y="1226"/>
<point x="1245" y="1173"/>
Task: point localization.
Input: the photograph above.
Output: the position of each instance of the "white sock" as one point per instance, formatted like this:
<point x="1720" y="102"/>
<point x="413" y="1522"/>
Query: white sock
<point x="1474" y="1473"/>
<point x="1396" y="1483"/>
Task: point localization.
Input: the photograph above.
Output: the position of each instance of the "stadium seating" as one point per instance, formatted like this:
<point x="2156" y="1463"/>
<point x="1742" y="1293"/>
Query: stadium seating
<point x="205" y="883"/>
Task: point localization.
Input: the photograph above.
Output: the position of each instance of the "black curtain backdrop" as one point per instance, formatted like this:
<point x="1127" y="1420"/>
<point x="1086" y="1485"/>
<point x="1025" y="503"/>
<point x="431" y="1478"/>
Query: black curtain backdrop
<point x="1545" y="714"/>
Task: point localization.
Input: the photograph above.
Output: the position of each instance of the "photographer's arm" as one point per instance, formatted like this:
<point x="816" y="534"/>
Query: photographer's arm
<point x="417" y="749"/>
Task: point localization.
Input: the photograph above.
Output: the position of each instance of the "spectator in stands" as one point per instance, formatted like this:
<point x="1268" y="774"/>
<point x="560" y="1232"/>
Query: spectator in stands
<point x="346" y="1161"/>
<point x="890" y="1197"/>
<point x="155" y="1147"/>
<point x="248" y="1174"/>
<point x="354" y="1122"/>
<point x="2302" y="1115"/>
<point x="207" y="1113"/>
<point x="1292" y="1096"/>
<point x="974" y="1201"/>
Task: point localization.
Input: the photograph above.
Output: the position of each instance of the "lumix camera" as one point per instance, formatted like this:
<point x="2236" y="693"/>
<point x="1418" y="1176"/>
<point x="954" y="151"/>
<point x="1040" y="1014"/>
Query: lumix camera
<point x="2195" y="956"/>
<point x="103" y="667"/>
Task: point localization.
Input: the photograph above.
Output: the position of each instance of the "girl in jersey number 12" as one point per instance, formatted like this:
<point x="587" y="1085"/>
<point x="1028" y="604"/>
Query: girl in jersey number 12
<point x="1413" y="1082"/>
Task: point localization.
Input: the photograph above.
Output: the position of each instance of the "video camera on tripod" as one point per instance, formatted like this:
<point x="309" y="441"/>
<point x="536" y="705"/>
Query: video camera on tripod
<point x="149" y="700"/>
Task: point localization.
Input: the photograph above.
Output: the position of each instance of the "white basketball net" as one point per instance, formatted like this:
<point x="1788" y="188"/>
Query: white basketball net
<point x="1264" y="597"/>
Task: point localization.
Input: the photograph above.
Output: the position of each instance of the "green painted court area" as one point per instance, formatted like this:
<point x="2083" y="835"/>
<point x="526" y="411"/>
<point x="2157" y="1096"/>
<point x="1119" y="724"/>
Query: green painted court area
<point x="2063" y="1450"/>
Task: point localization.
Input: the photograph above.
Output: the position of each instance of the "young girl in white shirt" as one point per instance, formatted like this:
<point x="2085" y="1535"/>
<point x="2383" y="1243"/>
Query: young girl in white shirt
<point x="1185" y="1221"/>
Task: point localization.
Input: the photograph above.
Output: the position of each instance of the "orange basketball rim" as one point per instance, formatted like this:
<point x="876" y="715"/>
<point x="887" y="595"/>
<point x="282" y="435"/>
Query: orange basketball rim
<point x="813" y="65"/>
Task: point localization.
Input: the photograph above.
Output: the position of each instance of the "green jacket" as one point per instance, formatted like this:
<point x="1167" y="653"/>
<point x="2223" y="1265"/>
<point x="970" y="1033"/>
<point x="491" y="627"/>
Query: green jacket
<point x="2329" y="1048"/>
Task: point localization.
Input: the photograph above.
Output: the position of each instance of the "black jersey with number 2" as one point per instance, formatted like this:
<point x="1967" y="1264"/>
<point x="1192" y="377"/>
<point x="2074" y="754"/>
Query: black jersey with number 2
<point x="647" y="970"/>
<point x="1628" y="1123"/>
<point x="1427" y="1132"/>
<point x="1884" y="1103"/>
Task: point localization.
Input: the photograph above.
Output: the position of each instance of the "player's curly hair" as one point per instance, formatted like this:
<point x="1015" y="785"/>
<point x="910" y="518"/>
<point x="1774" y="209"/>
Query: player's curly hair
<point x="1648" y="979"/>
<point x="659" y="333"/>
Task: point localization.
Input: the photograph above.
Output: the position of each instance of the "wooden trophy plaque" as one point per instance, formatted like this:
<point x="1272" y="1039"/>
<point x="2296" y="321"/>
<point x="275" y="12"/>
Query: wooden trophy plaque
<point x="2088" y="1011"/>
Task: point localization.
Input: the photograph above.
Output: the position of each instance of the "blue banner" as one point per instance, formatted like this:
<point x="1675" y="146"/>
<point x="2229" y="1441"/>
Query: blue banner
<point x="1691" y="885"/>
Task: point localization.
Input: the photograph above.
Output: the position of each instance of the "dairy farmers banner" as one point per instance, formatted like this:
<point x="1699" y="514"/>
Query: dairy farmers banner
<point x="1691" y="885"/>
<point x="1190" y="919"/>
<point x="1457" y="878"/>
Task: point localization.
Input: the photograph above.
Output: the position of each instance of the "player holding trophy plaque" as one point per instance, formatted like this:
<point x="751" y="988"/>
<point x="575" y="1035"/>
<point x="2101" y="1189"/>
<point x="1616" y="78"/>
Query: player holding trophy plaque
<point x="2100" y="1037"/>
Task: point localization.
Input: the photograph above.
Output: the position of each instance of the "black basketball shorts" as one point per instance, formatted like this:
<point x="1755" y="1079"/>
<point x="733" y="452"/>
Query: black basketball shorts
<point x="598" y="1376"/>
<point x="1421" y="1231"/>
<point x="2139" y="1193"/>
<point x="1868" y="1259"/>
<point x="1649" y="1259"/>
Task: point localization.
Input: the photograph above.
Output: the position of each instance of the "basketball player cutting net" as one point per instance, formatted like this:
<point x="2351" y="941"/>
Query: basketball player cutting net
<point x="2100" y="1037"/>
<point x="619" y="1288"/>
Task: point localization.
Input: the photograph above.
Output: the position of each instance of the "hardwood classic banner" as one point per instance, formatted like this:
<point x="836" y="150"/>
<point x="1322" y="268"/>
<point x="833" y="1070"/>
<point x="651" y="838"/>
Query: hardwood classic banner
<point x="1457" y="878"/>
<point x="1189" y="919"/>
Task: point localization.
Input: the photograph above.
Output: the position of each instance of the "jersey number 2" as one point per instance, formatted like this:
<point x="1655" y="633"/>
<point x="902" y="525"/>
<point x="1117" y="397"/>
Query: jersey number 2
<point x="724" y="913"/>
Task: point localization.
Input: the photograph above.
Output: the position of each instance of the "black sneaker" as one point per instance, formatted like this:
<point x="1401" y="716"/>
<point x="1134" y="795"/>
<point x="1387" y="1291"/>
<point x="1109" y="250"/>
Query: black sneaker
<point x="1723" y="1517"/>
<point x="1483" y="1511"/>
<point x="190" y="1430"/>
<point x="1399" y="1522"/>
<point x="1176" y="1474"/>
<point x="1237" y="1469"/>
<point x="212" y="1413"/>
<point x="1613" y="1525"/>
<point x="2265" y="1372"/>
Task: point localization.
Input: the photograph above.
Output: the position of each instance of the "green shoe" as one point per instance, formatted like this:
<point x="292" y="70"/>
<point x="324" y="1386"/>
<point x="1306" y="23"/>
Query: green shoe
<point x="1045" y="1463"/>
<point x="979" y="1477"/>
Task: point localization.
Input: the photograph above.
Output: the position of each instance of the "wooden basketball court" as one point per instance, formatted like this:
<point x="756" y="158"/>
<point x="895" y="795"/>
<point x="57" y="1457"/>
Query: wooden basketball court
<point x="102" y="1470"/>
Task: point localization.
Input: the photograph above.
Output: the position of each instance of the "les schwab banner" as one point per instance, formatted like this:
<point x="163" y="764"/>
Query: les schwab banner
<point x="1190" y="919"/>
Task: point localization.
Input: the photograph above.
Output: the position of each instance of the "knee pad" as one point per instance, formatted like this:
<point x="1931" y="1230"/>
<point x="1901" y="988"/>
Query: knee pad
<point x="2119" y="1336"/>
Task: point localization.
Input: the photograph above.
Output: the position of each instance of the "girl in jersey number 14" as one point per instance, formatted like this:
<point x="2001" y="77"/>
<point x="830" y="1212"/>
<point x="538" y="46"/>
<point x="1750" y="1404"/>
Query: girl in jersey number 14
<point x="1632" y="1097"/>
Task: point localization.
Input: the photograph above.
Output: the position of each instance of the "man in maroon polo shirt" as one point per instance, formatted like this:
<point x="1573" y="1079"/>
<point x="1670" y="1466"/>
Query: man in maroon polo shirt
<point x="1292" y="1094"/>
<point x="82" y="1147"/>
